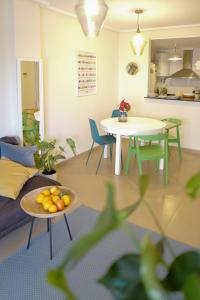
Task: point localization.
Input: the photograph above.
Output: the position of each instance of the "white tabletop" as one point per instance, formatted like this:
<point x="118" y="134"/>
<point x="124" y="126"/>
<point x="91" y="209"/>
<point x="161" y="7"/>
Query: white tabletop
<point x="134" y="126"/>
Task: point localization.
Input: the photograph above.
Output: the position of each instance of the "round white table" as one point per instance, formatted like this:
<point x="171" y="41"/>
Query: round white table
<point x="134" y="126"/>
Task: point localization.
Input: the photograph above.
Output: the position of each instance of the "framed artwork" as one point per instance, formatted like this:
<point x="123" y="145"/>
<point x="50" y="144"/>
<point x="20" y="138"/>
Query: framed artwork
<point x="87" y="73"/>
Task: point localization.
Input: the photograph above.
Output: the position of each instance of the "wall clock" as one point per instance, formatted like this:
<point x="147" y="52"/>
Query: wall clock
<point x="132" y="68"/>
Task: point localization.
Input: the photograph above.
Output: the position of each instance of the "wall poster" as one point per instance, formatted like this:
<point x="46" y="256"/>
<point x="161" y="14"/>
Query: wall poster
<point x="87" y="73"/>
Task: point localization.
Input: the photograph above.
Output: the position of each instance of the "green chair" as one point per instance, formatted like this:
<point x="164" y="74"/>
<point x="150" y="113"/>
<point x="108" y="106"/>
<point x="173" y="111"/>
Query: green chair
<point x="149" y="152"/>
<point x="173" y="123"/>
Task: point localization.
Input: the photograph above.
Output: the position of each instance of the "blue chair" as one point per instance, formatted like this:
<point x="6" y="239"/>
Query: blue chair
<point x="101" y="140"/>
<point x="115" y="113"/>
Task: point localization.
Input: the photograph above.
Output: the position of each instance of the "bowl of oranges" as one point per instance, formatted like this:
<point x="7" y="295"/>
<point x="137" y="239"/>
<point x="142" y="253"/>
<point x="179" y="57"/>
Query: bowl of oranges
<point x="49" y="201"/>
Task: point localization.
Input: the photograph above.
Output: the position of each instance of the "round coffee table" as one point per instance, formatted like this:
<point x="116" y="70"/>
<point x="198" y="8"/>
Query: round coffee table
<point x="32" y="208"/>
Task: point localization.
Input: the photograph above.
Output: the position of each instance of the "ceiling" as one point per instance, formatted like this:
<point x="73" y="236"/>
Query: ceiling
<point x="157" y="13"/>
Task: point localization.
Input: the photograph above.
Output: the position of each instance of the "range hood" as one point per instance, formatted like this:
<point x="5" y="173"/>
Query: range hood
<point x="186" y="71"/>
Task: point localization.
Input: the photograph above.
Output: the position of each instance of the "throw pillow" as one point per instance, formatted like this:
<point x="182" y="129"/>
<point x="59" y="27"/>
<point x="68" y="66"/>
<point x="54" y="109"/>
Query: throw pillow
<point x="12" y="177"/>
<point x="22" y="155"/>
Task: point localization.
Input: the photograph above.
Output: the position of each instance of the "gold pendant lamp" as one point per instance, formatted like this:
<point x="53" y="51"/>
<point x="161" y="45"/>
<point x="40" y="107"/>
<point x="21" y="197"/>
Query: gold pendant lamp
<point x="138" y="41"/>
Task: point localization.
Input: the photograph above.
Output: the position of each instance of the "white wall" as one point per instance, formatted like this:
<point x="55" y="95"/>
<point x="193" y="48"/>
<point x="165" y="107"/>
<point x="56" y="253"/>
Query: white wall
<point x="65" y="114"/>
<point x="135" y="88"/>
<point x="8" y="103"/>
<point x="27" y="29"/>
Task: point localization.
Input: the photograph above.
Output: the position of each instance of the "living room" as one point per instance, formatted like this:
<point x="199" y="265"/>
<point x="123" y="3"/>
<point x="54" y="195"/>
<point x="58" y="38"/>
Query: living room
<point x="49" y="32"/>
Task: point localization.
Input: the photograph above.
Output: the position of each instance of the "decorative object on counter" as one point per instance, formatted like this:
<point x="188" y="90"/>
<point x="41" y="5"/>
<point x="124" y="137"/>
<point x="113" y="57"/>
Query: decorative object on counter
<point x="138" y="41"/>
<point x="132" y="68"/>
<point x="124" y="107"/>
<point x="163" y="91"/>
<point x="197" y="64"/>
<point x="175" y="56"/>
<point x="152" y="95"/>
<point x="196" y="94"/>
<point x="47" y="155"/>
<point x="188" y="96"/>
<point x="91" y="16"/>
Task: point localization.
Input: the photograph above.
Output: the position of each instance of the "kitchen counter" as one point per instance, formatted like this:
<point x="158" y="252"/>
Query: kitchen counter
<point x="172" y="99"/>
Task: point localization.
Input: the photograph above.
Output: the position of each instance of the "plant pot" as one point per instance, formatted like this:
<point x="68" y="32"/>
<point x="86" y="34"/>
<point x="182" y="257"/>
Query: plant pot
<point x="123" y="116"/>
<point x="51" y="175"/>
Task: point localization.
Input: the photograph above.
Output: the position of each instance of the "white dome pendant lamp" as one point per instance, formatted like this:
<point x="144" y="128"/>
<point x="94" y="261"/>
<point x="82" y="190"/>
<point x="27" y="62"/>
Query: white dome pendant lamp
<point x="91" y="15"/>
<point x="138" y="41"/>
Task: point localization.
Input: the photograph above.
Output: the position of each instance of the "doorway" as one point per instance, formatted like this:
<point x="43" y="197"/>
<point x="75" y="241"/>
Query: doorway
<point x="30" y="101"/>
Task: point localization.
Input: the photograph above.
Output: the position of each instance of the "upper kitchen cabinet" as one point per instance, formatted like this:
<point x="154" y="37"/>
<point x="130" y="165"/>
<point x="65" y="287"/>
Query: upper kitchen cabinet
<point x="175" y="68"/>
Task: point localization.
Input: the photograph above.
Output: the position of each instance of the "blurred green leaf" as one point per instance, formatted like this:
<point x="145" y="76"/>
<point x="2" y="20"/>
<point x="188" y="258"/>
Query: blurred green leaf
<point x="193" y="186"/>
<point x="182" y="267"/>
<point x="143" y="185"/>
<point x="109" y="219"/>
<point x="148" y="270"/>
<point x="160" y="247"/>
<point x="56" y="278"/>
<point x="123" y="279"/>
<point x="192" y="287"/>
<point x="58" y="157"/>
<point x="72" y="145"/>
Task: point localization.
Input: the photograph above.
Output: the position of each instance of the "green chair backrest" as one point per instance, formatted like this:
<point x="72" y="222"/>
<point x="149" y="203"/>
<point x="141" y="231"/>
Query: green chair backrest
<point x="153" y="138"/>
<point x="173" y="120"/>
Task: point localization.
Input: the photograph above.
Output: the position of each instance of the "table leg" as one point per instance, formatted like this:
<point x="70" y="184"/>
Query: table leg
<point x="161" y="163"/>
<point x="70" y="235"/>
<point x="105" y="152"/>
<point x="30" y="232"/>
<point x="50" y="237"/>
<point x="118" y="155"/>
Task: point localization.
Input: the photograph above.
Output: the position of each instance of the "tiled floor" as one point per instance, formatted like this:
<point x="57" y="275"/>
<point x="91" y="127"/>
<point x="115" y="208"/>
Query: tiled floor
<point x="178" y="215"/>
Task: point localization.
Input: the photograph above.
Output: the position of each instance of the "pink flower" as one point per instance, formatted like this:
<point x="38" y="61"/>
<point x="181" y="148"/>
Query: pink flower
<point x="124" y="106"/>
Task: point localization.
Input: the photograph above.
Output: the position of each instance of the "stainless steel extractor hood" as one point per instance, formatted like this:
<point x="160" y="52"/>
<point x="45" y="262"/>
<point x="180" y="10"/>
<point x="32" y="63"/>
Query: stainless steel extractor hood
<point x="186" y="71"/>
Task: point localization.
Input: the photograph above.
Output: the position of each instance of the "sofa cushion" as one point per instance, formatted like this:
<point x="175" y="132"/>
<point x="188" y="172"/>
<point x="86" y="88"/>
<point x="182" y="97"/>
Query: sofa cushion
<point x="9" y="140"/>
<point x="12" y="177"/>
<point x="23" y="155"/>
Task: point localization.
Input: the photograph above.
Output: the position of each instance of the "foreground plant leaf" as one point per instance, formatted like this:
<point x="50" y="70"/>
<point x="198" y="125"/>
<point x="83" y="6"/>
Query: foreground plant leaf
<point x="193" y="186"/>
<point x="148" y="268"/>
<point x="123" y="279"/>
<point x="183" y="266"/>
<point x="143" y="185"/>
<point x="192" y="287"/>
<point x="57" y="278"/>
<point x="72" y="145"/>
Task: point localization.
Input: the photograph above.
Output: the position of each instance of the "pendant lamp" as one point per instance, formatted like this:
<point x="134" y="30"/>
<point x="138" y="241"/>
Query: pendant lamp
<point x="175" y="56"/>
<point x="91" y="15"/>
<point x="138" y="41"/>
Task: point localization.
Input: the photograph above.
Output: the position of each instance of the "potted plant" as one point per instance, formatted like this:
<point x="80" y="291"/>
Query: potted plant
<point x="135" y="276"/>
<point x="124" y="107"/>
<point x="47" y="155"/>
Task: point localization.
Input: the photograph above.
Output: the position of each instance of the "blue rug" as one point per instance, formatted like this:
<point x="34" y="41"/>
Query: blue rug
<point x="23" y="274"/>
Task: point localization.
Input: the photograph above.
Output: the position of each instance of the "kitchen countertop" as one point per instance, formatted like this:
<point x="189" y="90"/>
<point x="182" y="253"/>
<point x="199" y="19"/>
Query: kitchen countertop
<point x="172" y="99"/>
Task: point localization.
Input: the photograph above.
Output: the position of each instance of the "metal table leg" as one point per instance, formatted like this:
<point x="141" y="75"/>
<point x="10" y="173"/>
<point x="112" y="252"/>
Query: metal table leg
<point x="70" y="235"/>
<point x="50" y="236"/>
<point x="30" y="232"/>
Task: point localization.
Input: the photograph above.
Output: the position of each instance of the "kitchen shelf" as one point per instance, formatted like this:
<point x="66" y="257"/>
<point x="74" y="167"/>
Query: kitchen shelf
<point x="177" y="100"/>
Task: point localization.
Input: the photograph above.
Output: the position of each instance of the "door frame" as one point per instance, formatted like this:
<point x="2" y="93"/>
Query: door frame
<point x="19" y="95"/>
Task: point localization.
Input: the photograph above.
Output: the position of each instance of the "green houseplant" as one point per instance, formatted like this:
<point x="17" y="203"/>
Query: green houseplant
<point x="47" y="155"/>
<point x="134" y="276"/>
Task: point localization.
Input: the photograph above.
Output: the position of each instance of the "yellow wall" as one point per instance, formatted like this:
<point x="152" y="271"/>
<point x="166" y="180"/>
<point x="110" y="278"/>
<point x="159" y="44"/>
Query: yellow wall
<point x="135" y="88"/>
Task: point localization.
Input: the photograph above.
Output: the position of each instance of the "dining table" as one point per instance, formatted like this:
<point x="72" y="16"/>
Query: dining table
<point x="134" y="126"/>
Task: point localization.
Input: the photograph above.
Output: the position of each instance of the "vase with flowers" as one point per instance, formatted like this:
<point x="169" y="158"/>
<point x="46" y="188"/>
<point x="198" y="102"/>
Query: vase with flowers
<point x="124" y="107"/>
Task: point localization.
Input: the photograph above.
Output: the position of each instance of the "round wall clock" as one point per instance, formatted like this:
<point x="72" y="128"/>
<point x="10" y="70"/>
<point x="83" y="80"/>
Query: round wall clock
<point x="132" y="68"/>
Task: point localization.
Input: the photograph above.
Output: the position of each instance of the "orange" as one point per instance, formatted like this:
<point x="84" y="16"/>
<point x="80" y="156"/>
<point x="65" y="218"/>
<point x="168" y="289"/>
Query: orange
<point x="40" y="198"/>
<point x="47" y="204"/>
<point x="46" y="192"/>
<point x="66" y="199"/>
<point x="53" y="208"/>
<point x="60" y="204"/>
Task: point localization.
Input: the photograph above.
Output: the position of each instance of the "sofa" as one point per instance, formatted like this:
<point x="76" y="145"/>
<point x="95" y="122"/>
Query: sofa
<point x="11" y="214"/>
